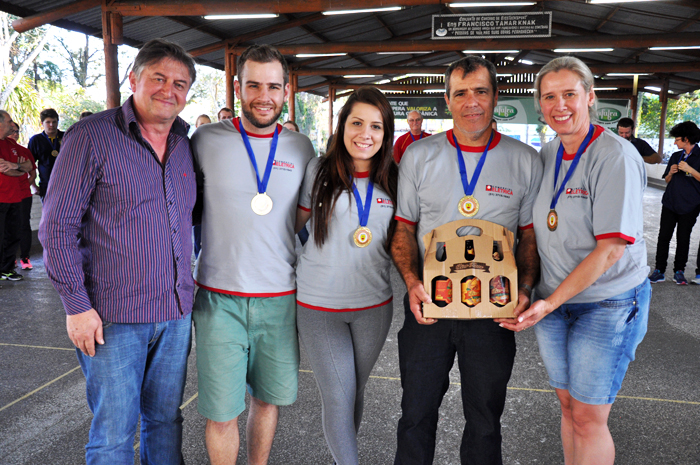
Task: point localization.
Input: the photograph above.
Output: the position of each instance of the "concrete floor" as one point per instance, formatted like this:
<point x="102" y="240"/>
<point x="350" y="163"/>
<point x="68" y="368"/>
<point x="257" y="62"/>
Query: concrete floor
<point x="44" y="416"/>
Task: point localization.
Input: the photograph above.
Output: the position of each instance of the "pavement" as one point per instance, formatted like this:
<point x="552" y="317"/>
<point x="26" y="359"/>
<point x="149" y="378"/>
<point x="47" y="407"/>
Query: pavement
<point x="44" y="418"/>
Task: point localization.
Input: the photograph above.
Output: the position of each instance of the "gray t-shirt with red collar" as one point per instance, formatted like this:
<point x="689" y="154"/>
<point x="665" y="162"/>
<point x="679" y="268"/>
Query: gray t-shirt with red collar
<point x="430" y="185"/>
<point x="602" y="199"/>
<point x="243" y="253"/>
<point x="341" y="276"/>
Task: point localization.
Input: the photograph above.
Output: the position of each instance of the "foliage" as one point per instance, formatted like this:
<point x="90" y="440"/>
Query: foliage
<point x="47" y="72"/>
<point x="69" y="103"/>
<point x="685" y="108"/>
<point x="17" y="53"/>
<point x="24" y="105"/>
<point x="209" y="91"/>
<point x="16" y="47"/>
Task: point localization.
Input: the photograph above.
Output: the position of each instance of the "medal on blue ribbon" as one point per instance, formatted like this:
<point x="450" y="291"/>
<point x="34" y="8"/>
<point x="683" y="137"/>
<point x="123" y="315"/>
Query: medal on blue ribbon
<point x="552" y="217"/>
<point x="261" y="203"/>
<point x="363" y="236"/>
<point x="468" y="205"/>
<point x="55" y="144"/>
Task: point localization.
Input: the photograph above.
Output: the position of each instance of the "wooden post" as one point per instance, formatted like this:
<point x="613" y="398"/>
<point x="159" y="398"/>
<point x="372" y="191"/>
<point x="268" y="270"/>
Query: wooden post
<point x="292" y="96"/>
<point x="331" y="99"/>
<point x="634" y="102"/>
<point x="230" y="71"/>
<point x="112" y="32"/>
<point x="663" y="97"/>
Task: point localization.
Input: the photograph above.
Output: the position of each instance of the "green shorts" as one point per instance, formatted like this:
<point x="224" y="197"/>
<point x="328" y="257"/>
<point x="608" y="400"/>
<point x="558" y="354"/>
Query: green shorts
<point x="244" y="341"/>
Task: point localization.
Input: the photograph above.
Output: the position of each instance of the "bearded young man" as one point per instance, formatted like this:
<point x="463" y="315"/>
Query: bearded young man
<point x="250" y="173"/>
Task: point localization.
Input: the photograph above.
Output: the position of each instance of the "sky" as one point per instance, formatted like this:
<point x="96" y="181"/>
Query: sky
<point x="97" y="92"/>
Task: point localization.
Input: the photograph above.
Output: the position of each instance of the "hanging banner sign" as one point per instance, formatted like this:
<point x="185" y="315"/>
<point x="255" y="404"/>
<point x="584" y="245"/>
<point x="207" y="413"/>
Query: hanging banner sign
<point x="513" y="110"/>
<point x="492" y="26"/>
<point x="609" y="112"/>
<point x="429" y="107"/>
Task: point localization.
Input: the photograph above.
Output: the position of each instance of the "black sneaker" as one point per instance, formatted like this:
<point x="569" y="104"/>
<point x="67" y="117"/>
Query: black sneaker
<point x="11" y="276"/>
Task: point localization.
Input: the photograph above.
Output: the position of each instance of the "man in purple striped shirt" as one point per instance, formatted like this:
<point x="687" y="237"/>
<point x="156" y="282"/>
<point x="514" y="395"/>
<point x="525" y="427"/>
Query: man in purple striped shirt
<point x="116" y="236"/>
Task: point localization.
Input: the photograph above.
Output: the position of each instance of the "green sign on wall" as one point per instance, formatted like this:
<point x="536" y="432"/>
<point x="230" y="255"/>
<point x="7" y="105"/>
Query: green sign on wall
<point x="520" y="110"/>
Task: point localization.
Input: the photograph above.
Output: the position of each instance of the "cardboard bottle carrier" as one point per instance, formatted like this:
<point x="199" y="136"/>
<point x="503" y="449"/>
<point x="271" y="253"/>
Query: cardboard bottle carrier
<point x="470" y="258"/>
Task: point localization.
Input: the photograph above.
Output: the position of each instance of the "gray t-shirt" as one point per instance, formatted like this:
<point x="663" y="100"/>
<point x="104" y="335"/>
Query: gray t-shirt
<point x="244" y="253"/>
<point x="341" y="276"/>
<point x="430" y="186"/>
<point x="603" y="199"/>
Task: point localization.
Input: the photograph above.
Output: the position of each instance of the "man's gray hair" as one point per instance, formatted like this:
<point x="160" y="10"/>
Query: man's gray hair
<point x="574" y="65"/>
<point x="157" y="49"/>
<point x="3" y="115"/>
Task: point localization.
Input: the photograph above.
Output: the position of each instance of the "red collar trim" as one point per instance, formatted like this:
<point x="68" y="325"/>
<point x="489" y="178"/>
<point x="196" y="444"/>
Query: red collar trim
<point x="467" y="148"/>
<point x="361" y="174"/>
<point x="596" y="132"/>
<point x="237" y="125"/>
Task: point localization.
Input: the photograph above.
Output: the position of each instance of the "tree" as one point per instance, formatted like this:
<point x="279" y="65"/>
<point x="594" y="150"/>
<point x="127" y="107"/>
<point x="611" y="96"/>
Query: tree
<point x="209" y="91"/>
<point x="80" y="61"/>
<point x="70" y="103"/>
<point x="685" y="108"/>
<point x="24" y="105"/>
<point x="15" y="46"/>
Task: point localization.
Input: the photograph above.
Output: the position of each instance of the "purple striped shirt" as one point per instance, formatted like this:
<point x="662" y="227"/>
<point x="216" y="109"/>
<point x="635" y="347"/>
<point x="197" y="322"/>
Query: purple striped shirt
<point x="116" y="224"/>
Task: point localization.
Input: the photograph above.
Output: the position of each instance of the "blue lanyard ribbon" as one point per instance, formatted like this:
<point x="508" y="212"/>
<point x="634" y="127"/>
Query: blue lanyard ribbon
<point x="414" y="139"/>
<point x="572" y="168"/>
<point x="262" y="185"/>
<point x="363" y="212"/>
<point x="470" y="186"/>
<point x="685" y="156"/>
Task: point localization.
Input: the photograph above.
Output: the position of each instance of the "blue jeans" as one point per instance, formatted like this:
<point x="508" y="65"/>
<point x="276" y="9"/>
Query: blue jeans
<point x="141" y="368"/>
<point x="485" y="353"/>
<point x="588" y="347"/>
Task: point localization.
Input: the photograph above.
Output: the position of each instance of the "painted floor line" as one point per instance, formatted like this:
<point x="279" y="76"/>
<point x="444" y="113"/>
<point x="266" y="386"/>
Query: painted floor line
<point x="35" y="347"/>
<point x="29" y="394"/>
<point x="651" y="399"/>
<point x="182" y="407"/>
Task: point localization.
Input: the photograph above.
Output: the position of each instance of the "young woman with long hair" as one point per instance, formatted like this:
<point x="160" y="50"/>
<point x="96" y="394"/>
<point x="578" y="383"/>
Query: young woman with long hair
<point x="344" y="294"/>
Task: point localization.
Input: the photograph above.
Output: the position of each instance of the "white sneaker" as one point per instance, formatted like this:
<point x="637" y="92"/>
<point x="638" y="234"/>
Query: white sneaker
<point x="697" y="279"/>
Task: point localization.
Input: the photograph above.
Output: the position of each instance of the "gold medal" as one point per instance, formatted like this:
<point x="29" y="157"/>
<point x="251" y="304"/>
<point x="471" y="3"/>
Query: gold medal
<point x="54" y="153"/>
<point x="552" y="220"/>
<point x="362" y="236"/>
<point x="261" y="204"/>
<point x="468" y="206"/>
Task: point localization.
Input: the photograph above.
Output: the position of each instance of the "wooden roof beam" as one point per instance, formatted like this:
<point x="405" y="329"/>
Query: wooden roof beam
<point x="54" y="14"/>
<point x="680" y="67"/>
<point x="616" y="41"/>
<point x="607" y="18"/>
<point x="219" y="7"/>
<point x="256" y="35"/>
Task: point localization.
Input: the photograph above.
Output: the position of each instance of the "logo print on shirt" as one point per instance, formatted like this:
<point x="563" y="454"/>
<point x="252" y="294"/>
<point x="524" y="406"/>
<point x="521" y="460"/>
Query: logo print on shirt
<point x="283" y="165"/>
<point x="576" y="193"/>
<point x="499" y="191"/>
<point x="386" y="202"/>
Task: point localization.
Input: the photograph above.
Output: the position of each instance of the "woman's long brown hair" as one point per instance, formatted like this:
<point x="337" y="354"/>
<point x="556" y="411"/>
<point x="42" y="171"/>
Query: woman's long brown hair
<point x="335" y="172"/>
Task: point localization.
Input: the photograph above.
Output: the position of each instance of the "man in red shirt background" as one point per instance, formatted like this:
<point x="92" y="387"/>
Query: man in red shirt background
<point x="15" y="162"/>
<point x="415" y="123"/>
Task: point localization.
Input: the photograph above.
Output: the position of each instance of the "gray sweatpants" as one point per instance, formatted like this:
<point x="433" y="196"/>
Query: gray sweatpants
<point x="343" y="348"/>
